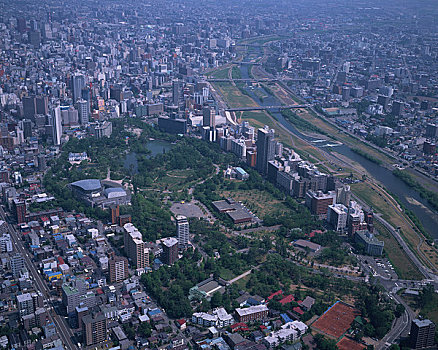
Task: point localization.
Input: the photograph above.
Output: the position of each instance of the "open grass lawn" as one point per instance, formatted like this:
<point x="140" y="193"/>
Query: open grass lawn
<point x="226" y="274"/>
<point x="259" y="202"/>
<point x="234" y="96"/>
<point x="370" y="195"/>
<point x="432" y="312"/>
<point x="403" y="266"/>
<point x="219" y="74"/>
<point x="235" y="73"/>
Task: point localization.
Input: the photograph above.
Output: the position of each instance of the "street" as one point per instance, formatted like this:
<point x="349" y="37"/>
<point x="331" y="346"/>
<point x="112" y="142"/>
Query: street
<point x="64" y="331"/>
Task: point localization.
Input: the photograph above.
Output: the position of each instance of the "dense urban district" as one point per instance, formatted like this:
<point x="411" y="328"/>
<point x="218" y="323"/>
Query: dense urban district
<point x="218" y="174"/>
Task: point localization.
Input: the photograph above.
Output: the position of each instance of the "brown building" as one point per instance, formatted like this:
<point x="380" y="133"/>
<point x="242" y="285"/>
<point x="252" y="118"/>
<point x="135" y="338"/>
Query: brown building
<point x="94" y="329"/>
<point x="118" y="269"/>
<point x="115" y="214"/>
<point x="20" y="211"/>
<point x="170" y="250"/>
<point x="252" y="313"/>
<point x="251" y="158"/>
<point x="318" y="202"/>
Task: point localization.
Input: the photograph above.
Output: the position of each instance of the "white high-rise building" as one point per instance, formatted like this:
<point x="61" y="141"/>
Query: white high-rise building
<point x="57" y="125"/>
<point x="83" y="112"/>
<point x="182" y="230"/>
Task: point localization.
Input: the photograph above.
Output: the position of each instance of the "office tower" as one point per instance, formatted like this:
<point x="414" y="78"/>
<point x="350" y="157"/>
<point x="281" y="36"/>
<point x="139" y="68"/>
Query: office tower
<point x="29" y="106"/>
<point x="431" y="130"/>
<point x="17" y="264"/>
<point x="26" y="126"/>
<point x="182" y="230"/>
<point x="34" y="38"/>
<point x="397" y="107"/>
<point x="208" y="116"/>
<point x="170" y="250"/>
<point x="118" y="269"/>
<point x="21" y="25"/>
<point x="42" y="105"/>
<point x="176" y="92"/>
<point x="86" y="95"/>
<point x="20" y="211"/>
<point x="265" y="149"/>
<point x="42" y="163"/>
<point x="94" y="329"/>
<point x="135" y="248"/>
<point x="56" y="122"/>
<point x="77" y="84"/>
<point x="83" y="111"/>
<point x="422" y="334"/>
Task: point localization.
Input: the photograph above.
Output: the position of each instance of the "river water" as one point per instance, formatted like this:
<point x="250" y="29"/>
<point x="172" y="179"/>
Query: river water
<point x="428" y="218"/>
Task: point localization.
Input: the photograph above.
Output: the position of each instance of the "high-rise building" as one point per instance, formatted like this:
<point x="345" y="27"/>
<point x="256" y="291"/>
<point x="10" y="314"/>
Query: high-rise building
<point x="170" y="250"/>
<point x="115" y="213"/>
<point x="29" y="106"/>
<point x="83" y="109"/>
<point x="265" y="149"/>
<point x="182" y="230"/>
<point x="86" y="95"/>
<point x="72" y="293"/>
<point x="431" y="130"/>
<point x="318" y="202"/>
<point x="337" y="216"/>
<point x="6" y="243"/>
<point x="176" y="92"/>
<point x="77" y="84"/>
<point x="94" y="329"/>
<point x="26" y="126"/>
<point x="17" y="264"/>
<point x="25" y="304"/>
<point x="208" y="116"/>
<point x="118" y="269"/>
<point x="57" y="125"/>
<point x="21" y="25"/>
<point x="422" y="334"/>
<point x="42" y="105"/>
<point x="20" y="211"/>
<point x="135" y="248"/>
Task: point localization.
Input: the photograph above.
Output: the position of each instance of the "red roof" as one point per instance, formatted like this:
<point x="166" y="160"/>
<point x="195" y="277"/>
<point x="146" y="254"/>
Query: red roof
<point x="298" y="310"/>
<point x="287" y="299"/>
<point x="241" y="326"/>
<point x="278" y="292"/>
<point x="262" y="327"/>
<point x="60" y="260"/>
<point x="181" y="321"/>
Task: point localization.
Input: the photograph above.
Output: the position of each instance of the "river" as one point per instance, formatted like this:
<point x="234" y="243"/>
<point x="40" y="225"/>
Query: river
<point x="425" y="214"/>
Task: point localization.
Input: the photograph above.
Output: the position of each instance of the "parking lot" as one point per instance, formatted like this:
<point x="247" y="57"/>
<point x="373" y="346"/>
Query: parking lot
<point x="380" y="267"/>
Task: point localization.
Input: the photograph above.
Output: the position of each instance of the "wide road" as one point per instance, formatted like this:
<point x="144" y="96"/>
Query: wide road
<point x="64" y="332"/>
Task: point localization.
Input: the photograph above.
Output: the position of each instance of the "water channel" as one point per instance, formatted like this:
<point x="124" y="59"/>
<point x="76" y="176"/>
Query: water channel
<point x="428" y="218"/>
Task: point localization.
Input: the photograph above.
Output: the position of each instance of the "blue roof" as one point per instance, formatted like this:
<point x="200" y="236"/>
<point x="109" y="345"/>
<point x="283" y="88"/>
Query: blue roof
<point x="241" y="171"/>
<point x="286" y="318"/>
<point x="88" y="184"/>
